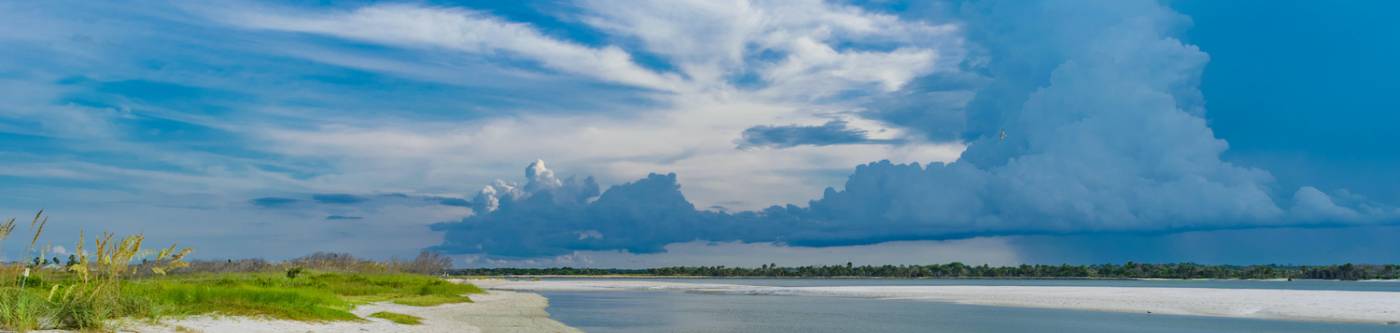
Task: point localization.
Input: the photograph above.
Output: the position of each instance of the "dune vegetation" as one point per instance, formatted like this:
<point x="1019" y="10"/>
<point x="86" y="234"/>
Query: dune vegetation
<point x="118" y="278"/>
<point x="397" y="317"/>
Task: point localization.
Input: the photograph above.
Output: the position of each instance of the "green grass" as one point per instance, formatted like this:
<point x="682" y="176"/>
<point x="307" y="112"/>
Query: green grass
<point x="245" y="300"/>
<point x="107" y="283"/>
<point x="398" y="318"/>
<point x="21" y="310"/>
<point x="431" y="300"/>
<point x="310" y="297"/>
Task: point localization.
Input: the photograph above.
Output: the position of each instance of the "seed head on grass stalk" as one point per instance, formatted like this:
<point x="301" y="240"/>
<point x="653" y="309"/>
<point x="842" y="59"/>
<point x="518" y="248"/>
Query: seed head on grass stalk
<point x="169" y="259"/>
<point x="40" y="230"/>
<point x="7" y="227"/>
<point x="5" y="230"/>
<point x="81" y="268"/>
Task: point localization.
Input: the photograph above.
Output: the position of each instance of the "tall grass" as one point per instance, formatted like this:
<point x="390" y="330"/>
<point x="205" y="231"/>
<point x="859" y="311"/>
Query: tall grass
<point x="22" y="311"/>
<point x="86" y="293"/>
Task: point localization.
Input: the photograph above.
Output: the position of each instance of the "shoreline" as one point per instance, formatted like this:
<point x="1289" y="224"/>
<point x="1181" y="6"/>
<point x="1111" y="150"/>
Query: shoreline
<point x="493" y="311"/>
<point x="1369" y="307"/>
<point x="667" y="277"/>
<point x="514" y="305"/>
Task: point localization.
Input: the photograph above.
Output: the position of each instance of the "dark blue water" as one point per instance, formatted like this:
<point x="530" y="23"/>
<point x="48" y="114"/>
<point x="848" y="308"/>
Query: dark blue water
<point x="673" y="311"/>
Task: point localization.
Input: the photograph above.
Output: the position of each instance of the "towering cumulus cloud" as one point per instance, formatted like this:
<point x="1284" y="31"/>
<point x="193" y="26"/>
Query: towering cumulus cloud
<point x="1086" y="118"/>
<point x="550" y="217"/>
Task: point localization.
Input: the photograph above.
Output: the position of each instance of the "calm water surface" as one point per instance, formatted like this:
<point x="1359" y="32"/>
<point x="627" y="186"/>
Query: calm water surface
<point x="674" y="311"/>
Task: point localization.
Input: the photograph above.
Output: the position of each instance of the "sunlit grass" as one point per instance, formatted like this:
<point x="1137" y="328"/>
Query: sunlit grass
<point x="121" y="279"/>
<point x="431" y="300"/>
<point x="311" y="296"/>
<point x="398" y="318"/>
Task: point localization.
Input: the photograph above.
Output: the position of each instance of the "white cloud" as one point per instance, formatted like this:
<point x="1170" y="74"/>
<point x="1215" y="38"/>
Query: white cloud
<point x="816" y="68"/>
<point x="461" y="30"/>
<point x="694" y="139"/>
<point x="1310" y="204"/>
<point x="691" y="133"/>
<point x="323" y="139"/>
<point x="713" y="40"/>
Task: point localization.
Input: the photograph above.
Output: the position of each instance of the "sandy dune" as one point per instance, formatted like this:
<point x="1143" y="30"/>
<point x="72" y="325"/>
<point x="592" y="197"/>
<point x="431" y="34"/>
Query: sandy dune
<point x="1305" y="305"/>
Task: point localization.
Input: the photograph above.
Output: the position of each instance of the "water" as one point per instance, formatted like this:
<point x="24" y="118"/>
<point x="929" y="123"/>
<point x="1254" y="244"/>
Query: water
<point x="1226" y="284"/>
<point x="673" y="311"/>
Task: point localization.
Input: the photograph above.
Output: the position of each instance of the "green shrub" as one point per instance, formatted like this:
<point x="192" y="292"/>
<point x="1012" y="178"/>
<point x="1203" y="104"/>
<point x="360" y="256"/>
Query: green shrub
<point x="293" y="272"/>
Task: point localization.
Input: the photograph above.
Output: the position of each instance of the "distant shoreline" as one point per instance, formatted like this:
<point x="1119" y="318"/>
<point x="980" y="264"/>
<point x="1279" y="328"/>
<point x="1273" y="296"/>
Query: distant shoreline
<point x="957" y="270"/>
<point x="667" y="277"/>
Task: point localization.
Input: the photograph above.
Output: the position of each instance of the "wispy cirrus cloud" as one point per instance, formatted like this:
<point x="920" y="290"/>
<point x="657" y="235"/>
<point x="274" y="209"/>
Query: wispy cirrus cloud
<point x="461" y="30"/>
<point x="802" y="50"/>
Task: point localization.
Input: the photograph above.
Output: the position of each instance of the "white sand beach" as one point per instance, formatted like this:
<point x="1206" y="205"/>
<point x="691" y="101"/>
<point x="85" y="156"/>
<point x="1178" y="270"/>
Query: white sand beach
<point x="495" y="311"/>
<point x="1302" y="305"/>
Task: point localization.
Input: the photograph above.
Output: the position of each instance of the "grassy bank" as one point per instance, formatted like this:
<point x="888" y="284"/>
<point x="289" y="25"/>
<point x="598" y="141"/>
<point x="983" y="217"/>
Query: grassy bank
<point x="118" y="278"/>
<point x="398" y="318"/>
<point x="312" y="296"/>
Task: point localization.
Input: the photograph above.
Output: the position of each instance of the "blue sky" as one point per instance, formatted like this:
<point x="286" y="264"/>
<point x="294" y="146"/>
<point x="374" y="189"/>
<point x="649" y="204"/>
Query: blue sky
<point x="711" y="132"/>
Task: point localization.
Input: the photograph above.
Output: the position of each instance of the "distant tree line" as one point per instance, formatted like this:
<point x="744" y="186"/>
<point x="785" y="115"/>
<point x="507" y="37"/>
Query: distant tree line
<point x="430" y="263"/>
<point x="570" y="271"/>
<point x="1129" y="270"/>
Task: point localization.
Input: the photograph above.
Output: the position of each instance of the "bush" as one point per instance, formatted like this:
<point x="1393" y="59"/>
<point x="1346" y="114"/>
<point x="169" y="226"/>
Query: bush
<point x="294" y="272"/>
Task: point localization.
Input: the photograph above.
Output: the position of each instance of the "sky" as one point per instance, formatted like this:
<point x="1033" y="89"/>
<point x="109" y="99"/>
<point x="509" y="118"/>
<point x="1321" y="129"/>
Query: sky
<point x="653" y="133"/>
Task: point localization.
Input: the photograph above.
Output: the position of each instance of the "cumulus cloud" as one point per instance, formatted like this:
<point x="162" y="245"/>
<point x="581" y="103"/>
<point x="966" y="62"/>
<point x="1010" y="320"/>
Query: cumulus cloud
<point x="1104" y="131"/>
<point x="539" y="219"/>
<point x="539" y="182"/>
